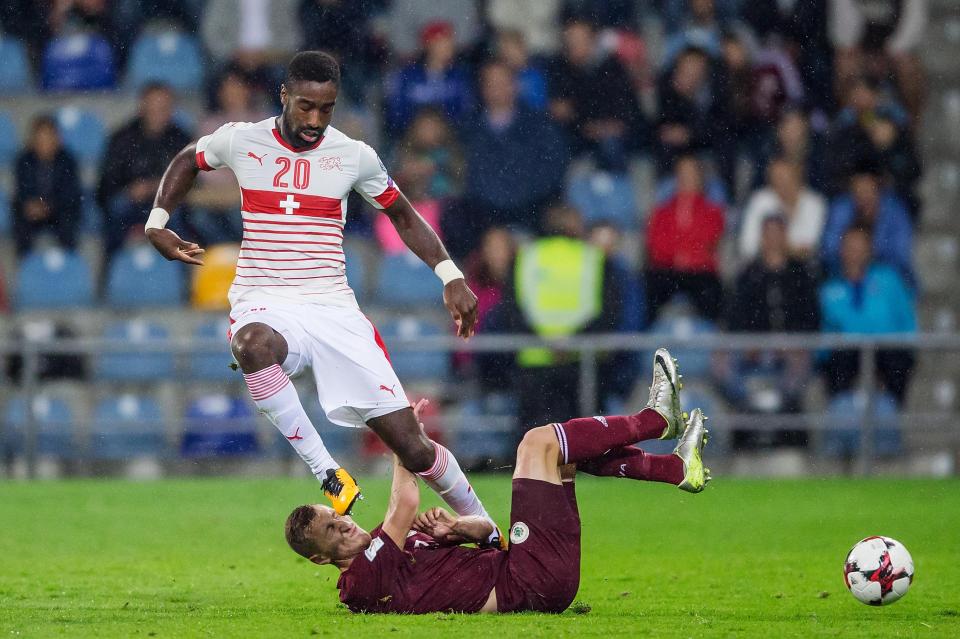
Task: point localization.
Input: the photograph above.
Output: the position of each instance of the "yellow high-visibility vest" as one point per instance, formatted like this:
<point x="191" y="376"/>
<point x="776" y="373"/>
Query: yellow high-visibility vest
<point x="559" y="287"/>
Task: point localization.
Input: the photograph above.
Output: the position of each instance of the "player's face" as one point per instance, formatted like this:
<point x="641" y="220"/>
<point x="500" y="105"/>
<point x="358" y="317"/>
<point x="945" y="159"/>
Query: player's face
<point x="338" y="536"/>
<point x="307" y="110"/>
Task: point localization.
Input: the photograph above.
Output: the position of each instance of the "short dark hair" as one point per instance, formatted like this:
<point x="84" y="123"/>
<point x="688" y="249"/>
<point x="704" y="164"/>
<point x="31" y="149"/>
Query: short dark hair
<point x="296" y="531"/>
<point x="43" y="121"/>
<point x="313" y="66"/>
<point x="154" y="85"/>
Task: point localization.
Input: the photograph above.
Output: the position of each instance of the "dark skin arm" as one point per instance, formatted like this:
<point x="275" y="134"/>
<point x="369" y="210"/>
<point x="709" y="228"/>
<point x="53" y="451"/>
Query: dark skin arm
<point x="177" y="181"/>
<point x="423" y="241"/>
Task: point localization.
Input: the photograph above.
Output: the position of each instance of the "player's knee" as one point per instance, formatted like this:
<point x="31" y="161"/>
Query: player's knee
<point x="417" y="454"/>
<point x="253" y="346"/>
<point x="539" y="441"/>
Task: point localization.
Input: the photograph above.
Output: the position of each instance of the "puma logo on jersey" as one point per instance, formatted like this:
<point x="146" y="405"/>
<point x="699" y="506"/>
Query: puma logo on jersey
<point x="389" y="389"/>
<point x="251" y="154"/>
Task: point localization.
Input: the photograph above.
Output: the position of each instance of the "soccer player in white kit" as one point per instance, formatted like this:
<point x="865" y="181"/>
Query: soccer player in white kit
<point x="291" y="305"/>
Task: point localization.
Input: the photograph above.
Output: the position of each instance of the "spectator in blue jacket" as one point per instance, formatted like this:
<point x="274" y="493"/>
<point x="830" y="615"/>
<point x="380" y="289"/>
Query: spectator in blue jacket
<point x="436" y="80"/>
<point x="516" y="160"/>
<point x="867" y="297"/>
<point x="871" y="206"/>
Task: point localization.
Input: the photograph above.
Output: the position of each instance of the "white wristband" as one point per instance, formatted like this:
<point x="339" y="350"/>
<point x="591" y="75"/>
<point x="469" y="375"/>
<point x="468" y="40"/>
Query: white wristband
<point x="158" y="219"/>
<point x="447" y="271"/>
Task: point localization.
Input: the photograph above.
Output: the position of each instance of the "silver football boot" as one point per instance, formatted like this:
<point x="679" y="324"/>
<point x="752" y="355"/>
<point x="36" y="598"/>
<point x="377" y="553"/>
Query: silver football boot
<point x="690" y="450"/>
<point x="665" y="393"/>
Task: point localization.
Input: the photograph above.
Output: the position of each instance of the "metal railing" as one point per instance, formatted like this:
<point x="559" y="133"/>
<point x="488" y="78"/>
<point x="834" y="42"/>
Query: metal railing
<point x="588" y="347"/>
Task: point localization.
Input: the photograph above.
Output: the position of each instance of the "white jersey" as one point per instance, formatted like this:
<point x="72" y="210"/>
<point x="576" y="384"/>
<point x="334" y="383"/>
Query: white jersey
<point x="294" y="209"/>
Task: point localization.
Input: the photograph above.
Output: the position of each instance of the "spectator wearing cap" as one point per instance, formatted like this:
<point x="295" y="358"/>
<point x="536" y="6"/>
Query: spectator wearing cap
<point x="136" y="157"/>
<point x="408" y="19"/>
<point x="683" y="239"/>
<point x="516" y="160"/>
<point x="803" y="210"/>
<point x="435" y="80"/>
<point x="878" y="210"/>
<point x="591" y="95"/>
<point x="774" y="293"/>
<point x="46" y="198"/>
<point x="867" y="297"/>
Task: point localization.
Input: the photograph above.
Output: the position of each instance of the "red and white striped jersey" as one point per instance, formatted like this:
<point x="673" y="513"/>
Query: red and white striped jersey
<point x="294" y="208"/>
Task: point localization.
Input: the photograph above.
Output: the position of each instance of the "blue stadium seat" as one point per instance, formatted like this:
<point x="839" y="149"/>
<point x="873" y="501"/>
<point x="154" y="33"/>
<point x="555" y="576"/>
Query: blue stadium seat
<point x="356" y="272"/>
<point x="14" y="67"/>
<point x="694" y="363"/>
<point x="78" y="62"/>
<point x="134" y="364"/>
<point x="219" y="425"/>
<point x="127" y="426"/>
<point x="404" y="280"/>
<point x="415" y="364"/>
<point x="846" y="415"/>
<point x="214" y="365"/>
<point x="53" y="278"/>
<point x="9" y="140"/>
<point x="55" y="422"/>
<point x="141" y="278"/>
<point x="606" y="197"/>
<point x="171" y="57"/>
<point x="83" y="134"/>
<point x="6" y="216"/>
<point x="91" y="217"/>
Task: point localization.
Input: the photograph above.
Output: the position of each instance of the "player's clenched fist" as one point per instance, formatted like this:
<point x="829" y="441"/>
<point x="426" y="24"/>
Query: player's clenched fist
<point x="462" y="304"/>
<point x="169" y="245"/>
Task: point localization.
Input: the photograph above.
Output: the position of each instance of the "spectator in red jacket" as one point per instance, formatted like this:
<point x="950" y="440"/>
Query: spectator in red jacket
<point x="683" y="237"/>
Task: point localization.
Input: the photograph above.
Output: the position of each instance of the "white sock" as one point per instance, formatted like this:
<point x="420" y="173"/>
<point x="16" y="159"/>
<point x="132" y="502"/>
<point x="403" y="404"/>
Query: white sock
<point x="276" y="398"/>
<point x="447" y="480"/>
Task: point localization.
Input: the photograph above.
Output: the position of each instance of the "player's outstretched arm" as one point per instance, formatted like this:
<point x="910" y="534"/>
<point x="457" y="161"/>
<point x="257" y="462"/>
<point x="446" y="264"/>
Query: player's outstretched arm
<point x="177" y="181"/>
<point x="423" y="241"/>
<point x="404" y="503"/>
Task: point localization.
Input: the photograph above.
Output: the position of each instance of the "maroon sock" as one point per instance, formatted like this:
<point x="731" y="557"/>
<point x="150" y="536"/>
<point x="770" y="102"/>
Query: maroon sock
<point x="588" y="437"/>
<point x="633" y="463"/>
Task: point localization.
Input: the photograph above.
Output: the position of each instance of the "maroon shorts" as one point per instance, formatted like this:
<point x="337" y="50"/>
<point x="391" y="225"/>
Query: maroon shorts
<point x="542" y="570"/>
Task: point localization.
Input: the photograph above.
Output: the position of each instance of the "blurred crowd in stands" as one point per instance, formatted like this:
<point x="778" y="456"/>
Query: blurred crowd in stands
<point x="699" y="165"/>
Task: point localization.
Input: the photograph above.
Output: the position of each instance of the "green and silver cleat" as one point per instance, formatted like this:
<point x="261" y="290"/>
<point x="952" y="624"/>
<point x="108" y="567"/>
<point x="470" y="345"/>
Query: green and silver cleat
<point x="690" y="450"/>
<point x="665" y="393"/>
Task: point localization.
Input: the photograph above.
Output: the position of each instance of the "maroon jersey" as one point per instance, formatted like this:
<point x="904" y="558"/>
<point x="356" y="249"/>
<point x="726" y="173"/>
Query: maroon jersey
<point x="422" y="577"/>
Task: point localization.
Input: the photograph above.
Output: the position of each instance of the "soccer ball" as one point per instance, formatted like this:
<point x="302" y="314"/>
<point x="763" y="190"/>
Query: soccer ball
<point x="878" y="571"/>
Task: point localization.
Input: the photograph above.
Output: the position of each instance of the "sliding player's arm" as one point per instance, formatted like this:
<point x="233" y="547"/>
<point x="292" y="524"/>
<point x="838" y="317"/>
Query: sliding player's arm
<point x="404" y="503"/>
<point x="176" y="182"/>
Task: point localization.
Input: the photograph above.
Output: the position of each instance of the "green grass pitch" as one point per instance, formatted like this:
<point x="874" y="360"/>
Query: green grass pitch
<point x="206" y="558"/>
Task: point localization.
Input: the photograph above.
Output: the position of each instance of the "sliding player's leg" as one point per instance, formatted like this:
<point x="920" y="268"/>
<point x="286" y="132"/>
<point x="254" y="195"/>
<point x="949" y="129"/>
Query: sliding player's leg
<point x="683" y="468"/>
<point x="261" y="351"/>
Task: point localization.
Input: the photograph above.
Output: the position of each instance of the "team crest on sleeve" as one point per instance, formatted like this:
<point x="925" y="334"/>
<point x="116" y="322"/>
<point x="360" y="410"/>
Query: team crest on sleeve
<point x="371" y="552"/>
<point x="519" y="533"/>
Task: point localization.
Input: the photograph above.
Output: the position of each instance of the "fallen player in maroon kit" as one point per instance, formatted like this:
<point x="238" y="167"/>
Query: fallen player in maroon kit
<point x="415" y="564"/>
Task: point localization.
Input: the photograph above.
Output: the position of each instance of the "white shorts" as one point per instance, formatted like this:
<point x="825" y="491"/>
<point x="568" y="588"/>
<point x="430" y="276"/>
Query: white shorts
<point x="355" y="381"/>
